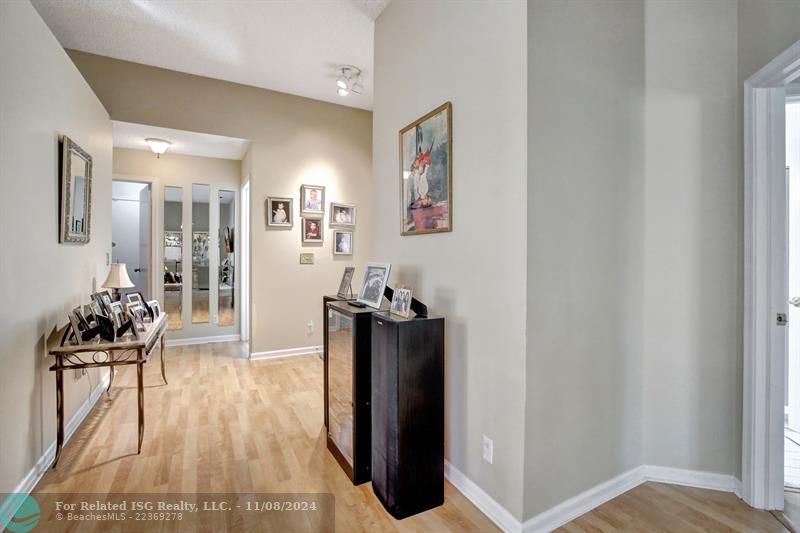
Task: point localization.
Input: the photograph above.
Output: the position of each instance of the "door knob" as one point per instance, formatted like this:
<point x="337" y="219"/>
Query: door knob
<point x="795" y="301"/>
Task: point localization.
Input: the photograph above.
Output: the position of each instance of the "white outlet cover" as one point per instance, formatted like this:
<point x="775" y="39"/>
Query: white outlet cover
<point x="488" y="450"/>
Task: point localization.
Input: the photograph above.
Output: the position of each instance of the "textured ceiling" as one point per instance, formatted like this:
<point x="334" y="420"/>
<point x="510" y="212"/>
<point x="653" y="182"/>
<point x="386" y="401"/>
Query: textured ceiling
<point x="291" y="46"/>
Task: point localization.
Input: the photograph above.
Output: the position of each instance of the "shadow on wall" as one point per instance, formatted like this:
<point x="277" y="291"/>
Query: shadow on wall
<point x="455" y="371"/>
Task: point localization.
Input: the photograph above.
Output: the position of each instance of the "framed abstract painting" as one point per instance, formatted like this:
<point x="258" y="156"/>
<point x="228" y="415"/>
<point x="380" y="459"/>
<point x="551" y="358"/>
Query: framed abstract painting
<point x="426" y="173"/>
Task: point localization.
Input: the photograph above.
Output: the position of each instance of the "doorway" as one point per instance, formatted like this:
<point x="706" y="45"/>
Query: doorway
<point x="131" y="219"/>
<point x="245" y="308"/>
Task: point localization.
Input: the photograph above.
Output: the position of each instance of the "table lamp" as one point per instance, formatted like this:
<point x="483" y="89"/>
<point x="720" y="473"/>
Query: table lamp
<point x="118" y="279"/>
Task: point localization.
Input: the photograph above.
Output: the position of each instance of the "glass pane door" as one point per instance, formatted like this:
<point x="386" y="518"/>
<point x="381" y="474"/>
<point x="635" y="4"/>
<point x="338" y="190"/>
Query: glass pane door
<point x="173" y="256"/>
<point x="201" y="196"/>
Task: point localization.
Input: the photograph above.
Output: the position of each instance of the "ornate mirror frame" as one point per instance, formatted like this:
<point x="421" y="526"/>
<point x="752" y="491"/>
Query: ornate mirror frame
<point x="68" y="149"/>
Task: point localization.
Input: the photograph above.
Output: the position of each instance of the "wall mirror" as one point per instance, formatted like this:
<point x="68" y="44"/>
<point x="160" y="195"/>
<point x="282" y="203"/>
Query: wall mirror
<point x="173" y="256"/>
<point x="227" y="263"/>
<point x="201" y="305"/>
<point x="76" y="193"/>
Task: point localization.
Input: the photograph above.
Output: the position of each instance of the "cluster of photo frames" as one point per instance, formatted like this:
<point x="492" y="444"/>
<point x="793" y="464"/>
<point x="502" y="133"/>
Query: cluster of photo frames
<point x="281" y="214"/>
<point x="110" y="320"/>
<point x="373" y="288"/>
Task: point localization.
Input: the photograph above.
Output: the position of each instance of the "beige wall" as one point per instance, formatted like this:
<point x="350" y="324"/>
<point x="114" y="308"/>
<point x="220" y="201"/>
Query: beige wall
<point x="43" y="97"/>
<point x="475" y="275"/>
<point x="585" y="164"/>
<point x="294" y="141"/>
<point x="176" y="170"/>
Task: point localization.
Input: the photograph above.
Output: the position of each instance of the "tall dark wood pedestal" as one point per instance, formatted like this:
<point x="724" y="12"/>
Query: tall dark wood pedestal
<point x="407" y="413"/>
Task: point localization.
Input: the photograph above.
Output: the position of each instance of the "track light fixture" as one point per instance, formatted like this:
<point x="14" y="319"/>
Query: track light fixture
<point x="349" y="80"/>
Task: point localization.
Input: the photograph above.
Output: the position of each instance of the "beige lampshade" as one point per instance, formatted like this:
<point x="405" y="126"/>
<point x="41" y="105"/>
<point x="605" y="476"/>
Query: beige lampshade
<point x="118" y="277"/>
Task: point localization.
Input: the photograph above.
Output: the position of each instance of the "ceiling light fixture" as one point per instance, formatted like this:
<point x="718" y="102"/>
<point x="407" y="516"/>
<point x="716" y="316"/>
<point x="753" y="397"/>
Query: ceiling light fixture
<point x="348" y="80"/>
<point x="158" y="146"/>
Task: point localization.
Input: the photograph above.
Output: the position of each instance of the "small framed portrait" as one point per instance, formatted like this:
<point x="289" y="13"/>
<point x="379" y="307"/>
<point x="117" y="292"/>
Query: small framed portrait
<point x="117" y="314"/>
<point x="345" y="289"/>
<point x="401" y="302"/>
<point x="312" y="199"/>
<point x="312" y="229"/>
<point x="280" y="212"/>
<point x="342" y="242"/>
<point x="103" y="300"/>
<point x="374" y="284"/>
<point x="134" y="298"/>
<point x="156" y="307"/>
<point x="343" y="215"/>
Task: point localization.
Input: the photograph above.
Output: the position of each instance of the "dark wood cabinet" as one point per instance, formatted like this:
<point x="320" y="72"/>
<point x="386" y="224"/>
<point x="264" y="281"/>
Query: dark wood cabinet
<point x="407" y="413"/>
<point x="347" y="374"/>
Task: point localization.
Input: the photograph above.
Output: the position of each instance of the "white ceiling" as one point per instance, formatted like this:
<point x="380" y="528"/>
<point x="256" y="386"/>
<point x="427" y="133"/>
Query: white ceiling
<point x="291" y="46"/>
<point x="129" y="135"/>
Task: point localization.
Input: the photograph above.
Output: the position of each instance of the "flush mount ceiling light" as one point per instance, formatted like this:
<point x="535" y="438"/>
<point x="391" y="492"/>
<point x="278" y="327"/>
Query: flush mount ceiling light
<point x="349" y="80"/>
<point x="158" y="146"/>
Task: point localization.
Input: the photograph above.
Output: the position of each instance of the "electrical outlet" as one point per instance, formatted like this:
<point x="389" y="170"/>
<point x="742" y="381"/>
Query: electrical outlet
<point x="310" y="327"/>
<point x="488" y="450"/>
<point x="215" y="319"/>
<point x="79" y="373"/>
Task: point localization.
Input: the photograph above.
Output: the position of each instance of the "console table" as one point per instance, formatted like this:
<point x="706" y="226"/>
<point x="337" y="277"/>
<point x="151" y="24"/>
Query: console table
<point x="101" y="353"/>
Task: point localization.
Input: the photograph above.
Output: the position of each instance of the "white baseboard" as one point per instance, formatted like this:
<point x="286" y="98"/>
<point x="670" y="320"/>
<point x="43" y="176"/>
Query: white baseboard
<point x="203" y="340"/>
<point x="485" y="503"/>
<point x="689" y="478"/>
<point x="28" y="483"/>
<point x="584" y="502"/>
<point x="576" y="506"/>
<point x="288" y="352"/>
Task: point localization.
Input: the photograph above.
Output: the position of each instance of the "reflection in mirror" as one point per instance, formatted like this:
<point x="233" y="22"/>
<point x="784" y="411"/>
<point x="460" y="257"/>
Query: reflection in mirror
<point x="76" y="191"/>
<point x="227" y="272"/>
<point x="173" y="256"/>
<point x="200" y="253"/>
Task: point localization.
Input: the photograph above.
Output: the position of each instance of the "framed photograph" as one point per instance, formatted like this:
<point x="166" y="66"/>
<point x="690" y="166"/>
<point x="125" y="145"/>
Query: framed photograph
<point x="401" y="302"/>
<point x="280" y="212"/>
<point x="374" y="284"/>
<point x="103" y="300"/>
<point x="117" y="314"/>
<point x="134" y="298"/>
<point x="312" y="200"/>
<point x="77" y="327"/>
<point x="426" y="173"/>
<point x="307" y="259"/>
<point x="342" y="242"/>
<point x="156" y="307"/>
<point x="345" y="289"/>
<point x="312" y="229"/>
<point x="82" y="320"/>
<point x="342" y="215"/>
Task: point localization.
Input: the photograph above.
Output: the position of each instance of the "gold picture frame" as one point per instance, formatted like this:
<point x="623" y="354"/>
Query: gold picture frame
<point x="426" y="176"/>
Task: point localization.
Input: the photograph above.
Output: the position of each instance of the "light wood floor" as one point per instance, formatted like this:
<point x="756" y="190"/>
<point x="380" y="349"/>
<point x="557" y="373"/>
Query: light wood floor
<point x="671" y="508"/>
<point x="225" y="424"/>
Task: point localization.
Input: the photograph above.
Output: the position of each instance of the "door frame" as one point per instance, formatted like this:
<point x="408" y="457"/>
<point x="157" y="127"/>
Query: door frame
<point x="765" y="279"/>
<point x="155" y="195"/>
<point x="245" y="239"/>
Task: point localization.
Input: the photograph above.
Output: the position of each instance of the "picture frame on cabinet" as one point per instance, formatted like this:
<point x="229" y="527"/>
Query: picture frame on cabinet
<point x="374" y="284"/>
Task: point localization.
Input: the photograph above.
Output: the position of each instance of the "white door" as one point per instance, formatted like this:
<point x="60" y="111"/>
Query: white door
<point x="130" y="231"/>
<point x="143" y="268"/>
